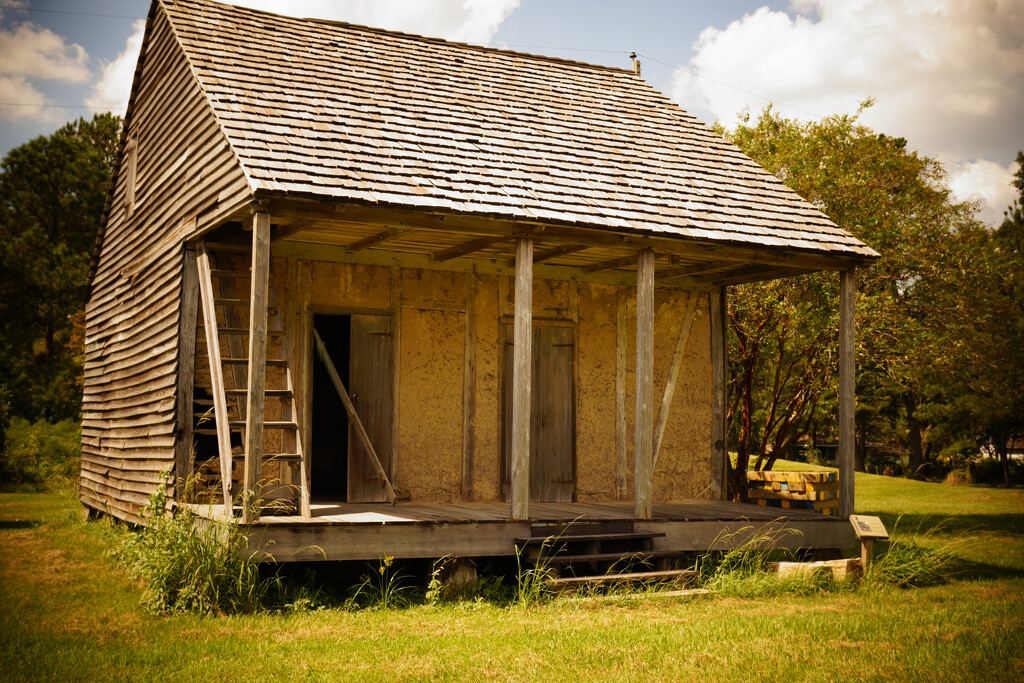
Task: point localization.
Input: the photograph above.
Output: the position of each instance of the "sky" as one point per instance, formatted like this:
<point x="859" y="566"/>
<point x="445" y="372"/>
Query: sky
<point x="947" y="75"/>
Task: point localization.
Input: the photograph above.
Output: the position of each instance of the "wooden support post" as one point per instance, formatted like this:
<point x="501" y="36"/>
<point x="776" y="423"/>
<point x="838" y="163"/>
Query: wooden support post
<point x="644" y="383"/>
<point x="522" y="370"/>
<point x="220" y="403"/>
<point x="717" y="309"/>
<point x="867" y="550"/>
<point x="257" y="364"/>
<point x="186" y="374"/>
<point x="847" y="383"/>
<point x="673" y="374"/>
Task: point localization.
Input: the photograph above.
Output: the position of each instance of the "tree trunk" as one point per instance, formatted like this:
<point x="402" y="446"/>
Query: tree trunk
<point x="861" y="451"/>
<point x="1004" y="457"/>
<point x="915" y="437"/>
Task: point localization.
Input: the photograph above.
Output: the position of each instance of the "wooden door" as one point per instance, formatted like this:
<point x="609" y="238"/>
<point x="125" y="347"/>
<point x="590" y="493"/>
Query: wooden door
<point x="552" y="414"/>
<point x="371" y="372"/>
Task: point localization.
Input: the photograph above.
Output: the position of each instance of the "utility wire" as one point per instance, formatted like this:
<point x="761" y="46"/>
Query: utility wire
<point x="78" y="14"/>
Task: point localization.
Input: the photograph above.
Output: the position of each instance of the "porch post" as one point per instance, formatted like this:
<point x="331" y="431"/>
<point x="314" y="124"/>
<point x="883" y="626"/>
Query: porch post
<point x="257" y="361"/>
<point x="719" y="424"/>
<point x="186" y="373"/>
<point x="522" y="370"/>
<point x="644" y="383"/>
<point x="847" y="382"/>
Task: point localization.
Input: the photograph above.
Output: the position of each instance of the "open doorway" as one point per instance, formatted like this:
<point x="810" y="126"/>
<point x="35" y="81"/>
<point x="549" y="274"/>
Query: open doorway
<point x="361" y="348"/>
<point x="329" y="480"/>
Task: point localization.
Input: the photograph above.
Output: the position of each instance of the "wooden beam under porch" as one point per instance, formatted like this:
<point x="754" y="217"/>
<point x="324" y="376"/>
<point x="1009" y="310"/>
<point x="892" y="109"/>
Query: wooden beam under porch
<point x="368" y="531"/>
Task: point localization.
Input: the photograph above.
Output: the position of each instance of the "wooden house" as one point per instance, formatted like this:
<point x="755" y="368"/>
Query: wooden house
<point x="512" y="268"/>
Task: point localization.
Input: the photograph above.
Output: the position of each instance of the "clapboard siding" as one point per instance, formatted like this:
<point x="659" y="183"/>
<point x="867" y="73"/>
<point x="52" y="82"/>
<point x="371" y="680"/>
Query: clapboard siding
<point x="186" y="174"/>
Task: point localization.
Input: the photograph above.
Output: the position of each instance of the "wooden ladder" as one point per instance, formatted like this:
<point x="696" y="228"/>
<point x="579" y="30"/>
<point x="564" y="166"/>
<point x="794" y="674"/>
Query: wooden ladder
<point x="224" y="293"/>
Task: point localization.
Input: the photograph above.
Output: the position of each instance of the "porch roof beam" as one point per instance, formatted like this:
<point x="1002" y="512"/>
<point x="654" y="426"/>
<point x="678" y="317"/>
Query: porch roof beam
<point x="379" y="238"/>
<point x="613" y="263"/>
<point x="284" y="231"/>
<point x="467" y="247"/>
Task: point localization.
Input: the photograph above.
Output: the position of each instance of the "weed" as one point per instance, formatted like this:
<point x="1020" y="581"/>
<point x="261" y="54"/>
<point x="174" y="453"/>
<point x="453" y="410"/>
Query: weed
<point x="919" y="559"/>
<point x="532" y="586"/>
<point x="382" y="587"/>
<point x="191" y="568"/>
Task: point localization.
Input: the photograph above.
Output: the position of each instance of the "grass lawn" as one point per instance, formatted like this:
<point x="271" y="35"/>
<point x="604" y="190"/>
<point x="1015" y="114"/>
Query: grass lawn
<point x="68" y="612"/>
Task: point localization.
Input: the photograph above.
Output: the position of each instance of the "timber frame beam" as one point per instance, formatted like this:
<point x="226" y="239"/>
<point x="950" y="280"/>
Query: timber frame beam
<point x="644" y="466"/>
<point x="847" y="398"/>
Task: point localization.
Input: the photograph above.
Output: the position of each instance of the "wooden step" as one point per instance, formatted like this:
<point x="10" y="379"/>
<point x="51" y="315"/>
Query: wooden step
<point x="566" y="538"/>
<point x="267" y="424"/>
<point x="637" y="555"/>
<point x="266" y="392"/>
<point x="573" y="583"/>
<point x="245" y="361"/>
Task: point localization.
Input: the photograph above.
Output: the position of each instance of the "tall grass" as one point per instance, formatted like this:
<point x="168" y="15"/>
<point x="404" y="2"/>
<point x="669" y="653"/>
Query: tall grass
<point x="186" y="567"/>
<point x="916" y="558"/>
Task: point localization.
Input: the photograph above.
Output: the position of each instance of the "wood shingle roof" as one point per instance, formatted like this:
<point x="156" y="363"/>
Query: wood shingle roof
<point x="345" y="113"/>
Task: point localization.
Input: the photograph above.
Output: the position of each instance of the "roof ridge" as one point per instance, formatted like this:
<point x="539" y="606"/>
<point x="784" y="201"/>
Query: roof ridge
<point x="417" y="36"/>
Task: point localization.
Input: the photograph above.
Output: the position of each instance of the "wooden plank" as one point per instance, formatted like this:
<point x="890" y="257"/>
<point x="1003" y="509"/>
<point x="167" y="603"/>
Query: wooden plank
<point x="466" y="248"/>
<point x="623" y="262"/>
<point x="673" y="374"/>
<point x="469" y="389"/>
<point x="644" y="383"/>
<point x="396" y="364"/>
<point x="621" y="465"/>
<point x="257" y="364"/>
<point x="378" y="238"/>
<point x="295" y="227"/>
<point x="303" y="397"/>
<point x="847" y="389"/>
<point x="719" y="387"/>
<point x="696" y="269"/>
<point x="370" y="383"/>
<point x="220" y="407"/>
<point x="522" y="367"/>
<point x="353" y="417"/>
<point x="186" y="373"/>
<point x="756" y="275"/>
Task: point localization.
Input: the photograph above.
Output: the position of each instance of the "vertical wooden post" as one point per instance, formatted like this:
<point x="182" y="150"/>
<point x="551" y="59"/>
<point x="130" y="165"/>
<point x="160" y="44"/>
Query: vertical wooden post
<point x="257" y="363"/>
<point x="186" y="372"/>
<point x="717" y="309"/>
<point x="644" y="383"/>
<point x="847" y="389"/>
<point x="522" y="371"/>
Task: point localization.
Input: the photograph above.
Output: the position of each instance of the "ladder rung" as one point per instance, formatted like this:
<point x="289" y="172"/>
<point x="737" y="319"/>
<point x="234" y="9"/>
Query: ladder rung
<point x="242" y="274"/>
<point x="245" y="361"/>
<point x="266" y="392"/>
<point x="236" y="330"/>
<point x="278" y="457"/>
<point x="267" y="424"/>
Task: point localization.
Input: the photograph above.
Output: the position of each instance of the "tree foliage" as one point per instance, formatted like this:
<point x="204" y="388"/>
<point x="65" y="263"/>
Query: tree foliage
<point x="927" y="310"/>
<point x="52" y="191"/>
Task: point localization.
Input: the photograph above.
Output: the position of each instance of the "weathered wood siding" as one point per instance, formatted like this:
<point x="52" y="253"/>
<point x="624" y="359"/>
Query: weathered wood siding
<point x="427" y="456"/>
<point x="186" y="176"/>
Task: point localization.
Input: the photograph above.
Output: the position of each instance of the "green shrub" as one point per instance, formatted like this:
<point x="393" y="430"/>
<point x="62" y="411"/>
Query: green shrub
<point x="186" y="568"/>
<point x="39" y="455"/>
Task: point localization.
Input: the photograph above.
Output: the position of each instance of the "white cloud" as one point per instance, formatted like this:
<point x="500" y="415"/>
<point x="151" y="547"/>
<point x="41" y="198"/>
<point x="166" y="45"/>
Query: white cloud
<point x="30" y="51"/>
<point x="465" y="20"/>
<point x="23" y="101"/>
<point x="112" y="91"/>
<point x="987" y="183"/>
<point x="948" y="75"/>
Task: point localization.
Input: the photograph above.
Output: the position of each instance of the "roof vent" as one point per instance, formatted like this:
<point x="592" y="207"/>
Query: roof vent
<point x="636" y="63"/>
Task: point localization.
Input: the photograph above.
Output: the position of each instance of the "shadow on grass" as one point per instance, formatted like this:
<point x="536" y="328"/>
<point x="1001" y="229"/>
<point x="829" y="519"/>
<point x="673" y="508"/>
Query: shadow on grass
<point x="18" y="524"/>
<point x="954" y="524"/>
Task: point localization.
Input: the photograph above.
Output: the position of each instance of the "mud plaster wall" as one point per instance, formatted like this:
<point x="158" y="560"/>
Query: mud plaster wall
<point x="431" y="339"/>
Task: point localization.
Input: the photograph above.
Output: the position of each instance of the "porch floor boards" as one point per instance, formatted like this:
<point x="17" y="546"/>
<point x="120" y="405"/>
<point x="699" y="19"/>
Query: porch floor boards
<point x="329" y="513"/>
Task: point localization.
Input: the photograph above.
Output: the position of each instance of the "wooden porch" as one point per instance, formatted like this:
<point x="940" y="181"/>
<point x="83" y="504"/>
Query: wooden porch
<point x="369" y="531"/>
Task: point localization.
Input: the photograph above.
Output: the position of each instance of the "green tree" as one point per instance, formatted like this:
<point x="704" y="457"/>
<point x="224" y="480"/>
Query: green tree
<point x="52" y="192"/>
<point x="783" y="342"/>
